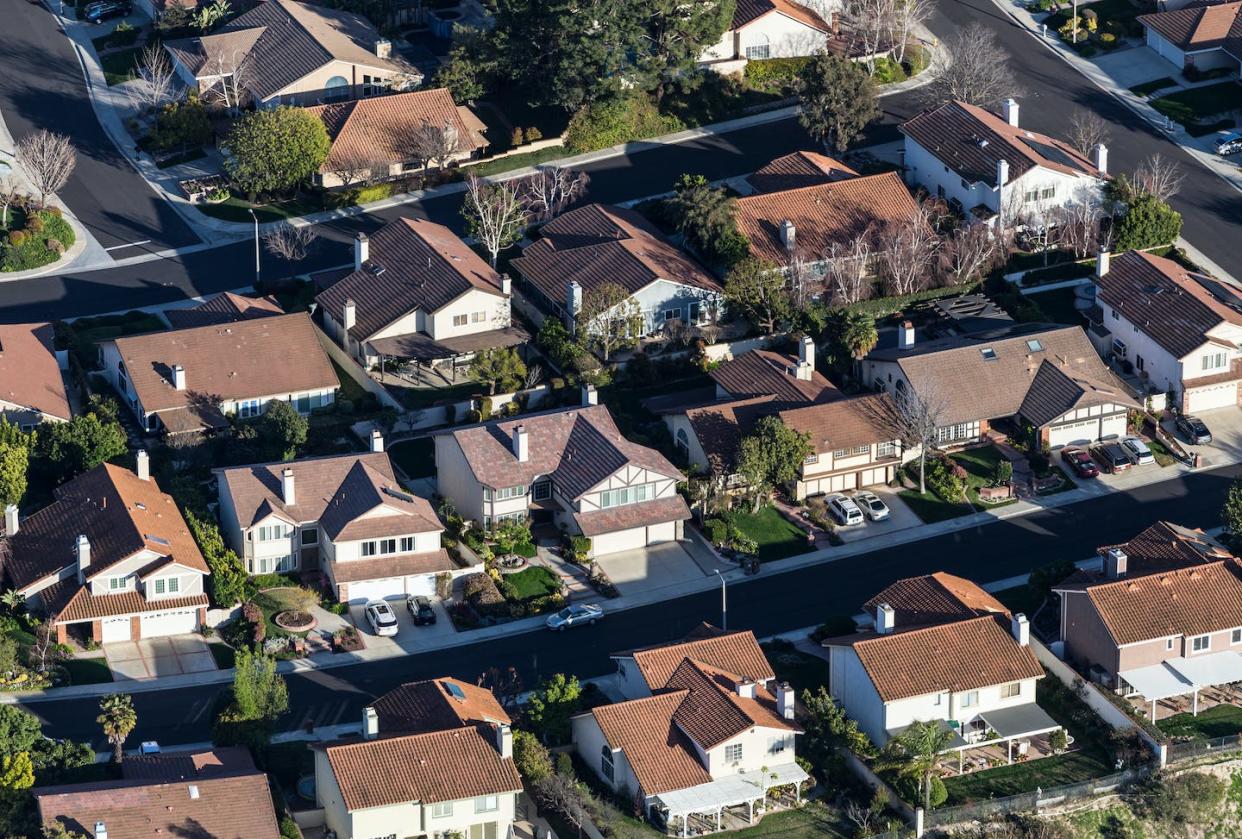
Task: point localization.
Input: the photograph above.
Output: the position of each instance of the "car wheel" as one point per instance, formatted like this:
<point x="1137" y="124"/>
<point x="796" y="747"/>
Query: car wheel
<point x="562" y="627"/>
<point x="592" y="622"/>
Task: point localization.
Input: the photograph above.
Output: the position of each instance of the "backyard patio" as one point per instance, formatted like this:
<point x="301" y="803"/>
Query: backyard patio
<point x="1185" y="685"/>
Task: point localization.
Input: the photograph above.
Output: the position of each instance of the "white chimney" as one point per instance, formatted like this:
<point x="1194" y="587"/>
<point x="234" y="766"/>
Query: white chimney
<point x="178" y="377"/>
<point x="349" y="316"/>
<point x="590" y="396"/>
<point x="377" y="440"/>
<point x="905" y="335"/>
<point x="362" y="250"/>
<point x="885" y="619"/>
<point x="144" y="465"/>
<point x="521" y="444"/>
<point x="504" y="740"/>
<point x="1101" y="158"/>
<point x="383" y="48"/>
<point x="1010" y="110"/>
<point x="101" y="830"/>
<point x="573" y="304"/>
<point x="10" y="519"/>
<point x="84" y="556"/>
<point x="506" y="285"/>
<point x="1102" y="260"/>
<point x="1021" y="630"/>
<point x="746" y="688"/>
<point x="370" y="723"/>
<point x="1002" y="172"/>
<point x="785" y="700"/>
<point x="789" y="234"/>
<point x="1116" y="563"/>
<point x="286" y="487"/>
<point x="806" y="358"/>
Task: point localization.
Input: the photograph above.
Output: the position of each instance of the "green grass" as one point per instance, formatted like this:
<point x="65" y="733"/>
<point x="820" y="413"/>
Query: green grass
<point x="224" y="655"/>
<point x="272" y="602"/>
<point x="1199" y="103"/>
<point x="1217" y="721"/>
<point x="88" y="671"/>
<point x="802" y="670"/>
<point x="775" y="535"/>
<point x="1021" y="598"/>
<point x="980" y="465"/>
<point x="814" y="821"/>
<point x="1067" y="768"/>
<point x="120" y="66"/>
<point x="514" y="162"/>
<point x="235" y="208"/>
<point x="117" y="38"/>
<point x="535" y="581"/>
<point x="1161" y="453"/>
<point x="34" y="251"/>
<point x="416" y="458"/>
<point x="1147" y="88"/>
<point x="932" y="508"/>
<point x="1122" y="11"/>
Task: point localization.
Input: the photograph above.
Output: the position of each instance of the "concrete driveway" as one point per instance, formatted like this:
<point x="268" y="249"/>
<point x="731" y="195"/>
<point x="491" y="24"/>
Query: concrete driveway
<point x="652" y="567"/>
<point x="900" y="517"/>
<point x="409" y="638"/>
<point x="1134" y="66"/>
<point x="151" y="658"/>
<point x="1226" y="446"/>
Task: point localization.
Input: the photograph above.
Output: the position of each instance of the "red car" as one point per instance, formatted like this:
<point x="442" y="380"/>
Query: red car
<point x="1080" y="461"/>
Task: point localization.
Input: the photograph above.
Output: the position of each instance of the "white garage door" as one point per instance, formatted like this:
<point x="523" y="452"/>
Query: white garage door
<point x="1113" y="426"/>
<point x="115" y="629"/>
<point x="665" y="532"/>
<point x="1216" y="396"/>
<point x="169" y="623"/>
<point x="842" y="483"/>
<point x="364" y="590"/>
<point x="871" y="477"/>
<point x="423" y="585"/>
<point x="1075" y="433"/>
<point x="621" y="540"/>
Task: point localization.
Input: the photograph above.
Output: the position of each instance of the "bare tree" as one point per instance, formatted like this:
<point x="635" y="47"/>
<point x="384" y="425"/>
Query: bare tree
<point x="610" y="317"/>
<point x="291" y="243"/>
<point x="1077" y="227"/>
<point x="913" y="418"/>
<point x="352" y="164"/>
<point x="849" y="270"/>
<point x="436" y="144"/>
<point x="551" y="189"/>
<point x="533" y="377"/>
<point x="1087" y="130"/>
<point x="979" y="73"/>
<point x="10" y="194"/>
<point x="560" y="794"/>
<point x="229" y="74"/>
<point x="869" y="23"/>
<point x="861" y="815"/>
<point x="1160" y="177"/>
<point x="969" y="253"/>
<point x="48" y="160"/>
<point x="45" y="651"/>
<point x="494" y="216"/>
<point x="905" y="250"/>
<point x="156" y="84"/>
<point x="907" y="17"/>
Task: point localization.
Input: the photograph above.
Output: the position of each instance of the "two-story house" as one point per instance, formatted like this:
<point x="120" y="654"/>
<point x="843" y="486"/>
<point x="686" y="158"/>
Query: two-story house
<point x="1048" y="376"/>
<point x="345" y="515"/>
<point x="32" y="386"/>
<point x="572" y="467"/>
<point x="435" y="759"/>
<point x="1171" y="627"/>
<point x="706" y="729"/>
<point x="989" y="167"/>
<point x="1196" y="37"/>
<point x="854" y="442"/>
<point x="110" y="559"/>
<point x="940" y="649"/>
<point x="188" y="380"/>
<point x="1180" y="330"/>
<point x="418" y="294"/>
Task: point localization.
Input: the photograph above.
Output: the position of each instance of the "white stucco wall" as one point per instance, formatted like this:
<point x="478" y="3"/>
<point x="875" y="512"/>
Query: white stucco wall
<point x="494" y="309"/>
<point x="758" y="750"/>
<point x="852" y="688"/>
<point x="455" y="480"/>
<point x="784" y="36"/>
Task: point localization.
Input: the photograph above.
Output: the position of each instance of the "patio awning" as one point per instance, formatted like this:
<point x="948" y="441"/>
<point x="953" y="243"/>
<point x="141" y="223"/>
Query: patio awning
<point x="1158" y="681"/>
<point x="956" y="743"/>
<point x="729" y="791"/>
<point x="419" y="346"/>
<point x="1020" y="721"/>
<point x="1211" y="669"/>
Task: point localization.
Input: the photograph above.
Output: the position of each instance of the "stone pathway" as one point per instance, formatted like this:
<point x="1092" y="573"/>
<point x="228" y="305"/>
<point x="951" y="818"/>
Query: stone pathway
<point x="578" y="588"/>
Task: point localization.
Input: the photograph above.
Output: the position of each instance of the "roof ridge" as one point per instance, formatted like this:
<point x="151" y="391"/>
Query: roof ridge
<point x="948" y="624"/>
<point x="850" y="179"/>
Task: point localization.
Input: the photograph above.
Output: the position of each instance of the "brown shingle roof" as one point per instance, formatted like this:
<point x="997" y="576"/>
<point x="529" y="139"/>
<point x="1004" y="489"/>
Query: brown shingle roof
<point x="799" y="169"/>
<point x="629" y="516"/>
<point x="733" y="652"/>
<point x="660" y="754"/>
<point x="1185" y="601"/>
<point x="935" y="598"/>
<point x="770" y="373"/>
<point x="29" y="373"/>
<point x="1197" y="27"/>
<point x="427" y="562"/>
<point x="970" y="141"/>
<point x="1173" y="306"/>
<point x="421" y="265"/>
<point x="435" y="766"/>
<point x="226" y="307"/>
<point x="180" y="766"/>
<point x="1056" y="390"/>
<point x="823" y="215"/>
<point x="1161" y="547"/>
<point x="233" y="807"/>
<point x="719" y="428"/>
<point x="598" y="244"/>
<point x="380" y="130"/>
<point x="431" y="705"/>
<point x="844" y="423"/>
<point x="370" y="503"/>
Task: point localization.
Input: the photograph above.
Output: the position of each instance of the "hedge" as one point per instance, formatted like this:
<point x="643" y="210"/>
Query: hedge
<point x="481" y="592"/>
<point x="775" y="74"/>
<point x="616" y="121"/>
<point x="879" y="307"/>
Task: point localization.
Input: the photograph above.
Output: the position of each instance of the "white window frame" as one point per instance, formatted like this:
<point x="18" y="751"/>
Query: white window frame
<point x="1215" y="361"/>
<point x="442" y="809"/>
<point x="1235" y="637"/>
<point x="407" y="545"/>
<point x="1196" y="647"/>
<point x="758" y="52"/>
<point x="607" y="764"/>
<point x="487" y="804"/>
<point x="461" y="320"/>
<point x="1168" y="643"/>
<point x="733" y="753"/>
<point x="624" y="496"/>
<point x="888" y="449"/>
<point x="1010" y="690"/>
<point x="970" y="699"/>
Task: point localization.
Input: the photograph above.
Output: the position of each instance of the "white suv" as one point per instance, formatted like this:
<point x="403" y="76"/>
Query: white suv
<point x="844" y="510"/>
<point x="382" y="619"/>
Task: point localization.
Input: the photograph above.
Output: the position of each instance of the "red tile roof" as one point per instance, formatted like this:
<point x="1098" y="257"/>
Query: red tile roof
<point x="935" y="598"/>
<point x="748" y="11"/>
<point x="29" y="373"/>
<point x="713" y="712"/>
<point x="68" y="602"/>
<point x="226" y="307"/>
<point x="732" y="652"/>
<point x="427" y="562"/>
<point x="660" y="754"/>
<point x="799" y="169"/>
<point x="1198" y="27"/>
<point x="1186" y="601"/>
<point x="437" y="704"/>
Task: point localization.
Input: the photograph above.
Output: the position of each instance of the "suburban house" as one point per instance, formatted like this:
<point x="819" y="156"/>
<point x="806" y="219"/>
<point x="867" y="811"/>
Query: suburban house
<point x="225" y="307"/>
<point x="704" y="730"/>
<point x="1158" y="634"/>
<point x="435" y="759"/>
<point x="1198" y="37"/>
<point x="189" y="380"/>
<point x="110" y="558"/>
<point x="589" y="246"/>
<point x="570" y="467"/>
<point x="768" y="29"/>
<point x="987" y="166"/>
<point x="1180" y="330"/>
<point x="345" y="515"/>
<point x="1044" y="375"/>
<point x="375" y="139"/>
<point x="213" y="793"/>
<point x="940" y="649"/>
<point x="285" y="52"/>
<point x="32" y="387"/>
<point x="854" y="444"/>
<point x="418" y="294"/>
<point x="796" y="170"/>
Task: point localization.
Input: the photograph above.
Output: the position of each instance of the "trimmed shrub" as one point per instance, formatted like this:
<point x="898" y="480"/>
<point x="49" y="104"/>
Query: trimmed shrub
<point x="775" y="74"/>
<point x="616" y="121"/>
<point x="946" y="478"/>
<point x="717" y="531"/>
<point x="482" y="594"/>
<point x="18" y="237"/>
<point x="34" y="224"/>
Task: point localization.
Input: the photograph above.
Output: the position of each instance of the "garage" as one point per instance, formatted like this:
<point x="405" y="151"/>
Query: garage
<point x="364" y="590"/>
<point x="181" y="622"/>
<point x="620" y="540"/>
<point x="423" y="585"/>
<point x="1213" y="396"/>
<point x="663" y="532"/>
<point x="1085" y="432"/>
<point x="114" y="629"/>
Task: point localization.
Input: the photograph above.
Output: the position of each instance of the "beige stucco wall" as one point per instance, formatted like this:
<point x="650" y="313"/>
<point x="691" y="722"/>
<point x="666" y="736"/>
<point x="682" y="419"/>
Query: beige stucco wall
<point x="494" y="309"/>
<point x="310" y="89"/>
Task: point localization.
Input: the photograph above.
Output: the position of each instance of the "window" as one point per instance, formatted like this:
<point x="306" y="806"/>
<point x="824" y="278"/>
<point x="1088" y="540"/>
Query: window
<point x="460" y="320"/>
<point x="504" y="493"/>
<point x="310" y="536"/>
<point x="1048" y="193"/>
<point x="1011" y="690"/>
<point x="811" y="458"/>
<point x="248" y="408"/>
<point x="758" y="52"/>
<point x="988" y="353"/>
<point x="627" y="495"/>
<point x="1139" y="362"/>
<point x="961" y="431"/>
<point x="336" y="89"/>
<point x="369" y="548"/>
<point x="1215" y="361"/>
<point x="159" y="586"/>
<point x="851" y="452"/>
<point x="1031" y="195"/>
<point x="733" y="753"/>
<point x="478" y="317"/>
<point x="970" y="699"/>
<point x="1235" y="637"/>
<point x="442" y="809"/>
<point x="776" y="745"/>
<point x="388" y="546"/>
<point x="936" y="700"/>
<point x="542" y="490"/>
<point x="117" y="583"/>
<point x="1115" y="315"/>
<point x="407" y="544"/>
<point x="487" y="804"/>
<point x="1168" y="644"/>
<point x="273" y="532"/>
<point x="605" y="762"/>
<point x="1201" y="643"/>
<point x="886" y="450"/>
<point x="174" y="585"/>
<point x="672" y="314"/>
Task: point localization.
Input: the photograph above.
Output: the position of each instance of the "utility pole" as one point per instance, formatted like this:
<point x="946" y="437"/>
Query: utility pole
<point x="257" y="277"/>
<point x="724" y="602"/>
<point x="1074" y="23"/>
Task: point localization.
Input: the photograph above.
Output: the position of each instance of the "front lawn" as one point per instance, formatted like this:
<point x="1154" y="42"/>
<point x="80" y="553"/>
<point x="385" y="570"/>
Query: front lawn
<point x="276" y="600"/>
<point x="535" y="581"/>
<point x="1199" y="103"/>
<point x="1148" y="88"/>
<point x="235" y="208"/>
<point x="1122" y="11"/>
<point x="416" y="458"/>
<point x="776" y="536"/>
<point x="980" y="465"/>
<point x="802" y="670"/>
<point x="88" y="671"/>
<point x="120" y="66"/>
<point x="1217" y="721"/>
<point x="815" y="820"/>
<point x="930" y="507"/>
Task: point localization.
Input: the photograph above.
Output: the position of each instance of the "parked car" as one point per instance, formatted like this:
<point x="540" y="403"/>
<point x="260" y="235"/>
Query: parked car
<point x="1080" y="461"/>
<point x="420" y="610"/>
<point x="1228" y="142"/>
<point x="574" y="616"/>
<point x="107" y="9"/>
<point x="1193" y="429"/>
<point x="380" y="616"/>
<point x="1137" y="451"/>
<point x="844" y="510"/>
<point x="1111" y="456"/>
<point x="871" y="505"/>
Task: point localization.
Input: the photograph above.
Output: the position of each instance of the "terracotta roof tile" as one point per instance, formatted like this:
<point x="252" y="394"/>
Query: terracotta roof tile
<point x="733" y="652"/>
<point x="770" y="373"/>
<point x="437" y="704"/>
<point x="29" y="373"/>
<point x="1186" y="601"/>
<point x="799" y="169"/>
<point x="935" y="598"/>
<point x="69" y="601"/>
<point x="713" y="712"/>
<point x="748" y="11"/>
<point x="226" y="307"/>
<point x="660" y="754"/>
<point x="720" y="427"/>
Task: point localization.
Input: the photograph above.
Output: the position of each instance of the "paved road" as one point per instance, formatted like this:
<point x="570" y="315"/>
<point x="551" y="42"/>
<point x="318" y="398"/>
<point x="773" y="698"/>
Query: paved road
<point x="768" y="604"/>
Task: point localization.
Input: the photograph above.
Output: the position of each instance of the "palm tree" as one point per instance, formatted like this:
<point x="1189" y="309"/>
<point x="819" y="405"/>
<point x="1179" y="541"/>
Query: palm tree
<point x="858" y="334"/>
<point x="118" y="720"/>
<point x="914" y="753"/>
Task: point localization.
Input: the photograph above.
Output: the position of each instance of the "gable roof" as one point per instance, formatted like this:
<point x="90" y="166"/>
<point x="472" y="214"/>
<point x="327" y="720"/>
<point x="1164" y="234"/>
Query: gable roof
<point x="1163" y="546"/>
<point x="713" y="712"/>
<point x="29" y="373"/>
<point x="1171" y="305"/>
<point x="180" y="766"/>
<point x="599" y="243"/>
<point x="1199" y="27"/>
<point x="935" y="598"/>
<point x="380" y="129"/>
<point x="1057" y="390"/>
<point x="824" y="214"/>
<point x="437" y="704"/>
<point x="971" y="140"/>
<point x="798" y="169"/>
<point x="225" y="307"/>
<point x="748" y="11"/>
<point x="1184" y="601"/>
<point x="733" y="652"/>
<point x="771" y="373"/>
<point x="415" y="264"/>
<point x="720" y="427"/>
<point x="845" y="423"/>
<point x="658" y="751"/>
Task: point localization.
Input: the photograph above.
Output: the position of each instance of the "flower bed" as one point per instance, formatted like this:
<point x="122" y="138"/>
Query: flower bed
<point x="295" y="621"/>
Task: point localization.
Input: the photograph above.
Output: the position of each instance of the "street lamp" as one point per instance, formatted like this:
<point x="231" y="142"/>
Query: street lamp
<point x="257" y="277"/>
<point x="724" y="601"/>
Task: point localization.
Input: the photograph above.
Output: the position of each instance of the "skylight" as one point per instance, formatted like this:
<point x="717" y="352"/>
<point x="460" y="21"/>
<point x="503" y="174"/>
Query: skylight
<point x="988" y="353"/>
<point x="159" y="540"/>
<point x="455" y="691"/>
<point x="1034" y="346"/>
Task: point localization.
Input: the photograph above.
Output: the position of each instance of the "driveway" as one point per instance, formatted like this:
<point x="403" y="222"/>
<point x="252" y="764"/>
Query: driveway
<point x="1131" y="67"/>
<point x="653" y="567"/>
<point x="154" y="657"/>
<point x="900" y="517"/>
<point x="409" y="638"/>
<point x="1226" y="446"/>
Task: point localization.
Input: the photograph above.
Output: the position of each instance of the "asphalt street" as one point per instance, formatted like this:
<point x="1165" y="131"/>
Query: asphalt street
<point x="769" y="604"/>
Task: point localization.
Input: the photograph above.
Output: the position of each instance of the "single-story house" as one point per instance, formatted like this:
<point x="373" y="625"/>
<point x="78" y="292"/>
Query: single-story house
<point x="225" y="307"/>
<point x="32" y="385"/>
<point x="763" y="29"/>
<point x="1197" y="36"/>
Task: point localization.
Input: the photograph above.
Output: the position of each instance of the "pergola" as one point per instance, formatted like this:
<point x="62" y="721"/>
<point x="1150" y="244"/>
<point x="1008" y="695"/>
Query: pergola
<point x="1182" y="676"/>
<point x="714" y="797"/>
<point x="424" y="351"/>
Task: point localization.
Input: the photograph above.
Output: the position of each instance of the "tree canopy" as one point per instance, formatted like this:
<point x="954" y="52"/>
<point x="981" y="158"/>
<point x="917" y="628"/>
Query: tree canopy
<point x="282" y="430"/>
<point x="499" y="367"/>
<point x="771" y="455"/>
<point x="19" y="729"/>
<point x="1148" y="222"/>
<point x="838" y="99"/>
<point x="704" y="214"/>
<point x="550" y="706"/>
<point x="759" y="292"/>
<point x="272" y="151"/>
<point x="70" y="448"/>
<point x="259" y="693"/>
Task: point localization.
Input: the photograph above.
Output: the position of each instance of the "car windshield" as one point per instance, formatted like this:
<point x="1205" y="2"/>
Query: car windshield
<point x="564" y="614"/>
